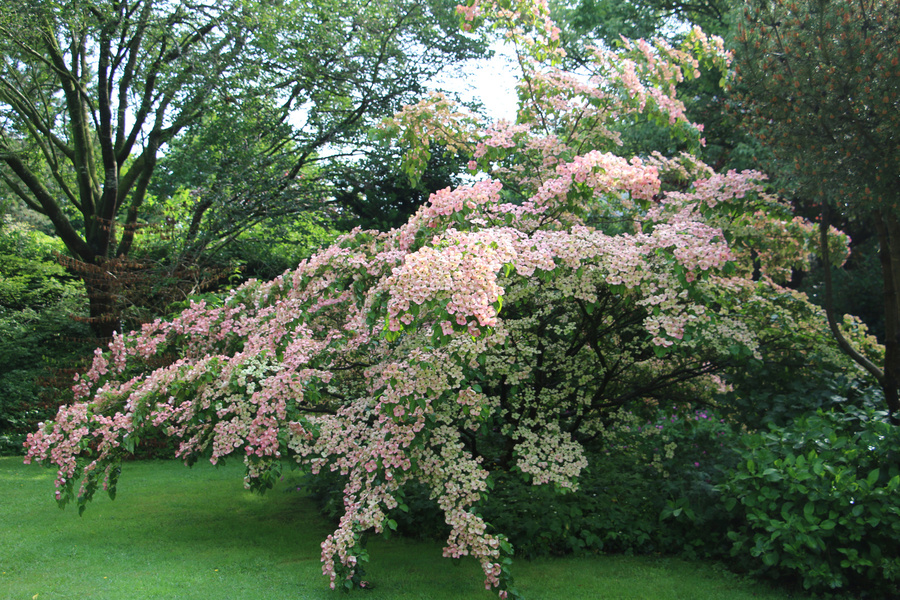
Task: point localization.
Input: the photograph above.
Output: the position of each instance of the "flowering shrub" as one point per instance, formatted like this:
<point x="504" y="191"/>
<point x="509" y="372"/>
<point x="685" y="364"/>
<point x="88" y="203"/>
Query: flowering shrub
<point x="490" y="334"/>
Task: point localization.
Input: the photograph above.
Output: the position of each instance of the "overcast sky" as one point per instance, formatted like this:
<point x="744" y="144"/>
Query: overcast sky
<point x="492" y="82"/>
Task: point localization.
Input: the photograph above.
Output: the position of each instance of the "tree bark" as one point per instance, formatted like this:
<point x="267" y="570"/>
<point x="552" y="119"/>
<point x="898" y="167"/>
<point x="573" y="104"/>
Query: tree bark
<point x="104" y="318"/>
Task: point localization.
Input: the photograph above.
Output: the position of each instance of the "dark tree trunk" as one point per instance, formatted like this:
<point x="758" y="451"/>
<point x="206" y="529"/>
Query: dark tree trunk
<point x="104" y="318"/>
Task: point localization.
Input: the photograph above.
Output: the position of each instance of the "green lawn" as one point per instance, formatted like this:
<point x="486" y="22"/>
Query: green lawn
<point x="178" y="534"/>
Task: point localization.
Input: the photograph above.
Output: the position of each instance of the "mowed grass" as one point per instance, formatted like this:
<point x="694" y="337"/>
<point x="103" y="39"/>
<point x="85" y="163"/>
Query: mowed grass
<point x="181" y="534"/>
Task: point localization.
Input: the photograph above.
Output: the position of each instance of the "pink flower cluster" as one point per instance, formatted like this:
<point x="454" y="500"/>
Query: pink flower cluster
<point x="460" y="268"/>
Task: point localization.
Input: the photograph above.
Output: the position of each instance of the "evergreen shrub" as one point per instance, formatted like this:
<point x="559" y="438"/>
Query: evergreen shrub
<point x="817" y="502"/>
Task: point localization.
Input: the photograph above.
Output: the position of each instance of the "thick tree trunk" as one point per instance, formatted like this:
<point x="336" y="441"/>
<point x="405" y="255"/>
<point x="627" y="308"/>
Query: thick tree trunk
<point x="104" y="318"/>
<point x="101" y="286"/>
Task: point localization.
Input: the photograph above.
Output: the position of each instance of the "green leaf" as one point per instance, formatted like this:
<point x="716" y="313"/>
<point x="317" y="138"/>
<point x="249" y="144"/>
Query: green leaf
<point x="809" y="512"/>
<point x="772" y="474"/>
<point x="872" y="479"/>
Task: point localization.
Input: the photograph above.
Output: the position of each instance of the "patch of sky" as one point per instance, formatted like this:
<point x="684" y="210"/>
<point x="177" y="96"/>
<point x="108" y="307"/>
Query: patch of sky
<point x="488" y="82"/>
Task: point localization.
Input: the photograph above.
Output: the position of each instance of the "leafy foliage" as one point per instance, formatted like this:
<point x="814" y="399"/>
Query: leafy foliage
<point x="817" y="501"/>
<point x="731" y="140"/>
<point x="649" y="488"/>
<point x="608" y="21"/>
<point x="819" y="83"/>
<point x="38" y="336"/>
<point x="253" y="103"/>
<point x="258" y="251"/>
<point x="387" y="198"/>
<point x="858" y="288"/>
<point x="587" y="24"/>
<point x="802" y="376"/>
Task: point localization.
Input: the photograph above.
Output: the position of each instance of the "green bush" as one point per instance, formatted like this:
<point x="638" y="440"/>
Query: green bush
<point x="817" y="501"/>
<point x="614" y="510"/>
<point x="771" y="393"/>
<point x="38" y="337"/>
<point x="650" y="487"/>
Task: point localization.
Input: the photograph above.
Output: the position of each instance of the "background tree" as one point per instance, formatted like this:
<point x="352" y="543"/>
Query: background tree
<point x="818" y="82"/>
<point x="586" y="21"/>
<point x="387" y="198"/>
<point x="589" y="23"/>
<point x="91" y="93"/>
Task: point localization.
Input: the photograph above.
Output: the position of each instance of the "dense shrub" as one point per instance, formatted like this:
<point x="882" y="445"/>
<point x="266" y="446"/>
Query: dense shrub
<point x="39" y="338"/>
<point x="36" y="347"/>
<point x="649" y="487"/>
<point x="818" y="502"/>
<point x="789" y="383"/>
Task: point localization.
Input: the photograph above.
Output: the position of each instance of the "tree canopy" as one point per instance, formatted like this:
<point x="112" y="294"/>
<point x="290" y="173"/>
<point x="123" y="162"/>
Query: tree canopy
<point x="608" y="20"/>
<point x="91" y="93"/>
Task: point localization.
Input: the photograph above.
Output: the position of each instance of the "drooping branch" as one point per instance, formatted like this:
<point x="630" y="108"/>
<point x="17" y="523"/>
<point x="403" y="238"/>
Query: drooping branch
<point x="846" y="346"/>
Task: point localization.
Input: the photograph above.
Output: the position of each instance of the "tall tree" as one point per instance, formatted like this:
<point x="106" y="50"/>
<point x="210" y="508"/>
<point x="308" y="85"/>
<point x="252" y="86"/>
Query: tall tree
<point x="819" y="82"/>
<point x="91" y="92"/>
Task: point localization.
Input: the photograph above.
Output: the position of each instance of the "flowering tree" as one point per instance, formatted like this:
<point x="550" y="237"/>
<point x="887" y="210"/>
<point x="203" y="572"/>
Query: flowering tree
<point x="492" y="331"/>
